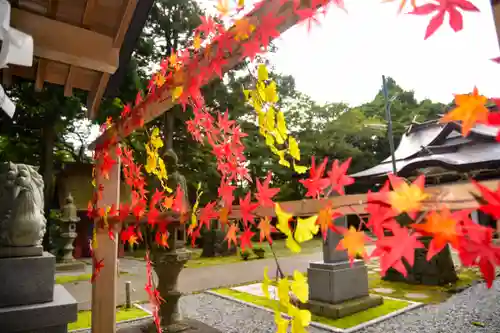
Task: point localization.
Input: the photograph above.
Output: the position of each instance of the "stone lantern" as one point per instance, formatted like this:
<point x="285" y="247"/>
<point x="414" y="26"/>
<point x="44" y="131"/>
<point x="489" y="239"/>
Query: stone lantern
<point x="67" y="223"/>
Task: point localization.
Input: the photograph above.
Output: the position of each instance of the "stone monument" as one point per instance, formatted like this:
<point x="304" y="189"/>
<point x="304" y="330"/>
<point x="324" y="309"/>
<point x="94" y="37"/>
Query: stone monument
<point x="29" y="299"/>
<point x="169" y="262"/>
<point x="337" y="289"/>
<point x="67" y="233"/>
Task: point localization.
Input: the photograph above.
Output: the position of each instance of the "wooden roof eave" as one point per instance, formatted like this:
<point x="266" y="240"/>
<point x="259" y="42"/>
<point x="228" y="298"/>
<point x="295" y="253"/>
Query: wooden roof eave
<point x="71" y="53"/>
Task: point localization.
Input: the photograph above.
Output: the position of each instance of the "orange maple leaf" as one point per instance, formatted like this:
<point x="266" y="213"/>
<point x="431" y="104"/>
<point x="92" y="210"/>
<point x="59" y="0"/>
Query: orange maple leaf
<point x="407" y="198"/>
<point x="443" y="227"/>
<point x="161" y="239"/>
<point x="167" y="203"/>
<point x="325" y="220"/>
<point x="223" y="216"/>
<point x="266" y="228"/>
<point x="354" y="243"/>
<point x="231" y="236"/>
<point x="243" y="29"/>
<point x="471" y="109"/>
<point x="132" y="240"/>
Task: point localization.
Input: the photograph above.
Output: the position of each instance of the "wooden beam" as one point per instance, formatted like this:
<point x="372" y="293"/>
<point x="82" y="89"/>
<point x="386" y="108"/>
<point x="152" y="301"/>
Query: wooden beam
<point x="125" y="127"/>
<point x="454" y="196"/>
<point x="104" y="287"/>
<point x="89" y="7"/>
<point x="127" y="13"/>
<point x="95" y="95"/>
<point x="68" y="88"/>
<point x="41" y="69"/>
<point x="66" y="43"/>
<point x="496" y="17"/>
<point x="7" y="77"/>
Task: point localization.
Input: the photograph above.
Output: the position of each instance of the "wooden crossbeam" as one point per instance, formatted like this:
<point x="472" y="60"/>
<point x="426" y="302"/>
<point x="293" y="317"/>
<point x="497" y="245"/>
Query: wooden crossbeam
<point x="66" y="43"/>
<point x="95" y="96"/>
<point x="454" y="196"/>
<point x="164" y="103"/>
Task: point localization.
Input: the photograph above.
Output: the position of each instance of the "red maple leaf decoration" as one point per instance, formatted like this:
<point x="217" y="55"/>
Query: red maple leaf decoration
<point x="315" y="184"/>
<point x="479" y="251"/>
<point x="207" y="214"/>
<point x="225" y="191"/>
<point x="267" y="29"/>
<point x="492" y="207"/>
<point x="379" y="210"/>
<point x="251" y="48"/>
<point x="246" y="239"/>
<point x="338" y="178"/>
<point x="393" y="249"/>
<point x="265" y="194"/>
<point x="246" y="209"/>
<point x="444" y="6"/>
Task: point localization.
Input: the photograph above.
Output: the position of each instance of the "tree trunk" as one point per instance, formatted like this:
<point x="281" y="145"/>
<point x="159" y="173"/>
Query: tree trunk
<point x="168" y="129"/>
<point x="47" y="171"/>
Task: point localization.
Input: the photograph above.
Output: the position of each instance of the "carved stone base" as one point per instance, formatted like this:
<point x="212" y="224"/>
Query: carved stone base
<point x="344" y="309"/>
<point x="337" y="282"/>
<point x="49" y="317"/>
<point x="20" y="251"/>
<point x="168" y="265"/>
<point x="27" y="280"/>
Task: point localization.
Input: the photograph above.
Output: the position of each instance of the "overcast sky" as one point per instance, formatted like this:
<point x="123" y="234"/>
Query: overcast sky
<point x="344" y="58"/>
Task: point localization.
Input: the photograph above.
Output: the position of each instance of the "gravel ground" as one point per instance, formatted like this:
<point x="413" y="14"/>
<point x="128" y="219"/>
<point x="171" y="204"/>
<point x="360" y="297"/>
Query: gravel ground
<point x="476" y="304"/>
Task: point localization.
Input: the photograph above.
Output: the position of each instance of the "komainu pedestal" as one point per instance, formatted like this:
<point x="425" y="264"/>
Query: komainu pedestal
<point x="337" y="289"/>
<point x="29" y="300"/>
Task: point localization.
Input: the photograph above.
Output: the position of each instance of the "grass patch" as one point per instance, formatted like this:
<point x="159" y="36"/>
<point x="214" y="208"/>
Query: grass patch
<point x="387" y="307"/>
<point x="84" y="319"/>
<point x="279" y="248"/>
<point x="63" y="279"/>
<point x="436" y="294"/>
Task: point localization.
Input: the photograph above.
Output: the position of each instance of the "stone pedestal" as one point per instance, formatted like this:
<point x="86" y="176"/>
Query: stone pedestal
<point x="337" y="289"/>
<point x="29" y="300"/>
<point x="168" y="264"/>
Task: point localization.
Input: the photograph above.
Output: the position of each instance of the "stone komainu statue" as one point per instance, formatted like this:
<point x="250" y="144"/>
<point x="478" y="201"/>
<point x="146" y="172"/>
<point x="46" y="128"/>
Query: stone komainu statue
<point x="22" y="220"/>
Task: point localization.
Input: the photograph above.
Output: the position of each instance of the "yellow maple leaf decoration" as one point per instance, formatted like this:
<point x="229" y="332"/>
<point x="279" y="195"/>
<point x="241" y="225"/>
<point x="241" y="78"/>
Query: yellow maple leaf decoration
<point x="306" y="228"/>
<point x="266" y="283"/>
<point x="197" y="42"/>
<point x="177" y="92"/>
<point x="292" y="245"/>
<point x="281" y="323"/>
<point x="299" y="286"/>
<point x="300" y="319"/>
<point x="407" y="198"/>
<point x="223" y="7"/>
<point x="471" y="109"/>
<point x="300" y="169"/>
<point x="283" y="289"/>
<point x="293" y="146"/>
<point x="283" y="219"/>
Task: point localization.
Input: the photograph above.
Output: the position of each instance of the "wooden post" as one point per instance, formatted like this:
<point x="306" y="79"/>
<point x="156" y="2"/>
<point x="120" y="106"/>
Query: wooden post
<point x="104" y="288"/>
